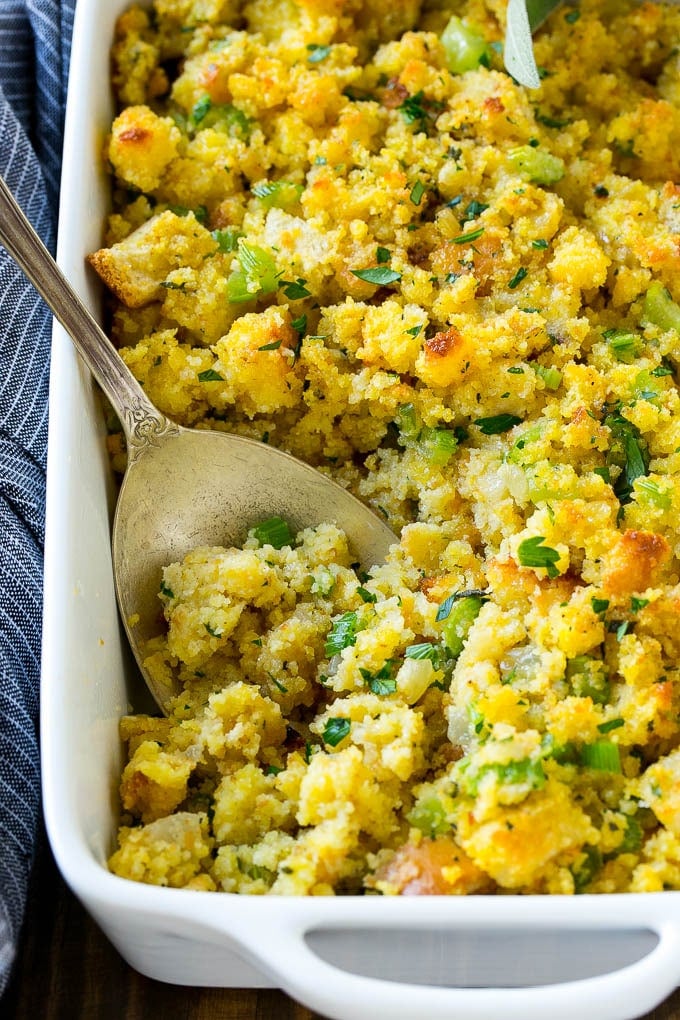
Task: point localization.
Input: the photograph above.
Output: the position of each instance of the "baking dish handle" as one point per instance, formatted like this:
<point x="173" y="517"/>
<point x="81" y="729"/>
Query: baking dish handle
<point x="282" y="951"/>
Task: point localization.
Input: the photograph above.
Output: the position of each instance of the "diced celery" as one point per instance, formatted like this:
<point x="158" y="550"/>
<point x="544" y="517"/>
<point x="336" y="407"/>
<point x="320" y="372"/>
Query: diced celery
<point x="237" y="288"/>
<point x="624" y="345"/>
<point x="278" y="194"/>
<point x="529" y="435"/>
<point x="552" y="377"/>
<point x="275" y="532"/>
<point x="645" y="386"/>
<point x="519" y="772"/>
<point x="258" y="274"/>
<point x="437" y="445"/>
<point x="464" y="45"/>
<point x="652" y="493"/>
<point x="587" y="679"/>
<point x="407" y="421"/>
<point x="660" y="309"/>
<point x="323" y="581"/>
<point x="538" y="165"/>
<point x="220" y="116"/>
<point x="428" y="815"/>
<point x="603" y="755"/>
<point x="260" y="266"/>
<point x="457" y="626"/>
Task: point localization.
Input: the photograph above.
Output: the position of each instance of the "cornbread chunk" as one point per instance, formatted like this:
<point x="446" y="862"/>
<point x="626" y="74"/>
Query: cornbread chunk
<point x="136" y="268"/>
<point x="142" y="145"/>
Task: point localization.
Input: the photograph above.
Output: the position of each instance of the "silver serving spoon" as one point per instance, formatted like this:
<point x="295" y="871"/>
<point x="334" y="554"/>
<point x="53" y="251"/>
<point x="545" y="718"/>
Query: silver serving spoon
<point x="182" y="487"/>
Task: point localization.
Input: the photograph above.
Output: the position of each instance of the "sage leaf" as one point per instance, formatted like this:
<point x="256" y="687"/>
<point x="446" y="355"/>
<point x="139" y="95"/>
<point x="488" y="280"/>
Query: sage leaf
<point x="524" y="17"/>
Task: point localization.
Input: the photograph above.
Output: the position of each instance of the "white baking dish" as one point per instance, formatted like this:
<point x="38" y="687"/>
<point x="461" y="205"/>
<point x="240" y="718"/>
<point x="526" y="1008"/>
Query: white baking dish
<point x="529" y="957"/>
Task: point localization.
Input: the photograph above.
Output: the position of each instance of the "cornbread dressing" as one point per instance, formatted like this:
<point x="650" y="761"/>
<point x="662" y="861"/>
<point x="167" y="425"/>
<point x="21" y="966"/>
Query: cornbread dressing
<point x="343" y="229"/>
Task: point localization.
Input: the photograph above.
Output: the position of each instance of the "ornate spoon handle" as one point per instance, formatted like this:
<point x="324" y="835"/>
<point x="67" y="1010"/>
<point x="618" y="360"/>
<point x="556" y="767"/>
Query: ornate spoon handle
<point x="140" y="419"/>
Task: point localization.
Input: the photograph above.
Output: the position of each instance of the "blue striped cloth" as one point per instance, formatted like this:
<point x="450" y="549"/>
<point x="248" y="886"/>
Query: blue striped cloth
<point x="35" y="40"/>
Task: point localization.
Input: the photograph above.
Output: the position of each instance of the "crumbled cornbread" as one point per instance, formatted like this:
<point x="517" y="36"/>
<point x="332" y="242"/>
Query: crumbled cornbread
<point x="457" y="296"/>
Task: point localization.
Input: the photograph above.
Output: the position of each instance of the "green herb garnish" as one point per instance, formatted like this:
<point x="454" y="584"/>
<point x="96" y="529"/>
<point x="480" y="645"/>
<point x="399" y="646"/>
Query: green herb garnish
<point x="624" y="345"/>
<point x="381" y="276"/>
<point x="533" y="553"/>
<point x="294" y="290"/>
<point x="520" y="275"/>
<point x="382" y="682"/>
<point x="424" y="650"/>
<point x="497" y="424"/>
<point x="342" y="634"/>
<point x="611" y="724"/>
<point x="417" y="192"/>
<point x="335" y="730"/>
<point x="469" y="237"/>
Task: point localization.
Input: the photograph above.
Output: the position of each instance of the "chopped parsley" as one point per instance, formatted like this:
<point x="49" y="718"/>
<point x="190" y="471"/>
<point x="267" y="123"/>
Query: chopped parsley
<point x="611" y="724"/>
<point x="419" y="110"/>
<point x="628" y="452"/>
<point x="335" y="730"/>
<point x="168" y="592"/>
<point x="381" y="276"/>
<point x="424" y="650"/>
<point x="474" y="209"/>
<point x="342" y="634"/>
<point x="382" y="682"/>
<point x="382" y="255"/>
<point x="520" y="275"/>
<point x="533" y="553"/>
<point x="210" y="375"/>
<point x="497" y="423"/>
<point x="417" y="192"/>
<point x="294" y="290"/>
<point x="469" y="237"/>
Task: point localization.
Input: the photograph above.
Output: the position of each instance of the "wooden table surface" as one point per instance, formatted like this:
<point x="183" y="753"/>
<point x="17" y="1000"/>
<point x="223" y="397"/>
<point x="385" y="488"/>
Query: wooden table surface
<point x="67" y="970"/>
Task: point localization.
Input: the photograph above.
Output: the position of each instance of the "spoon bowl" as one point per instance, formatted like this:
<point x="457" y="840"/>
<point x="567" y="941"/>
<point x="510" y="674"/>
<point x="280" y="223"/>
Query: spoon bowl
<point x="182" y="487"/>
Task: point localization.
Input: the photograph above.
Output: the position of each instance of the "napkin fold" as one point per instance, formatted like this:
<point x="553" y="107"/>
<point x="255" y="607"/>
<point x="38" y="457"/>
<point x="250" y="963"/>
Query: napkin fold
<point x="35" y="38"/>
